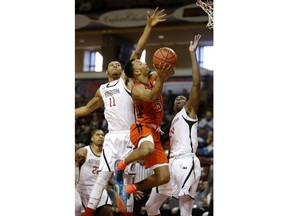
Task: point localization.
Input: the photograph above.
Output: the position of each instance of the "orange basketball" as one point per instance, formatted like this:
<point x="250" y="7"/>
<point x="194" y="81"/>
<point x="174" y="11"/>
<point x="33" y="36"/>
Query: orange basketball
<point x="165" y="55"/>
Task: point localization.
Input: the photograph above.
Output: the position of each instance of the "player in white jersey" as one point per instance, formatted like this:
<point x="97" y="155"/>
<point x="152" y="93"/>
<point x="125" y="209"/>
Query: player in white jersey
<point x="88" y="160"/>
<point x="115" y="94"/>
<point x="184" y="165"/>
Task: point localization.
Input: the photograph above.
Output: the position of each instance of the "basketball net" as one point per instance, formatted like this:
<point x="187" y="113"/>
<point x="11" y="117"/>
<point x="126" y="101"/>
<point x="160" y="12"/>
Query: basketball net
<point x="208" y="8"/>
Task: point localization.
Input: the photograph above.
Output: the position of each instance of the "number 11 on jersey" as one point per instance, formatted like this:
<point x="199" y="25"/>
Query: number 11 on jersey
<point x="112" y="101"/>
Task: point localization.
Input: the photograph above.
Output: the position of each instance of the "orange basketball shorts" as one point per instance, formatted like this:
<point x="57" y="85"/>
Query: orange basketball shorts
<point x="139" y="131"/>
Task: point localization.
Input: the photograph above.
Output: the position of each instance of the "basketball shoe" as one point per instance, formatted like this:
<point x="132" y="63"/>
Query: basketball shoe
<point x="121" y="196"/>
<point x="118" y="174"/>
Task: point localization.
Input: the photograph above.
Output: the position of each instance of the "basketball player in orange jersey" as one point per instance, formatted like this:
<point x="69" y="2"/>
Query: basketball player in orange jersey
<point x="184" y="165"/>
<point x="145" y="133"/>
<point x="119" y="113"/>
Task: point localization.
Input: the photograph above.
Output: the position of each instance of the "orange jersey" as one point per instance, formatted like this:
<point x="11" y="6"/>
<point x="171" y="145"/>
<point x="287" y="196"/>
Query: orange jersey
<point x="150" y="112"/>
<point x="149" y="119"/>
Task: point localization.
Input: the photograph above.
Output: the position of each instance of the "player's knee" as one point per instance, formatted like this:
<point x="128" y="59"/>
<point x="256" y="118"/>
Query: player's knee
<point x="147" y="150"/>
<point x="146" y="146"/>
<point x="163" y="178"/>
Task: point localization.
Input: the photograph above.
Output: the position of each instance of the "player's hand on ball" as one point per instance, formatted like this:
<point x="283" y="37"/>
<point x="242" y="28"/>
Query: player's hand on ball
<point x="164" y="71"/>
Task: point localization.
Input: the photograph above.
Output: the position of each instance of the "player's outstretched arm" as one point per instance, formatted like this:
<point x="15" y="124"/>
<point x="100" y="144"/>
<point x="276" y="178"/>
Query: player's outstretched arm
<point x="152" y="20"/>
<point x="92" y="105"/>
<point x="194" y="97"/>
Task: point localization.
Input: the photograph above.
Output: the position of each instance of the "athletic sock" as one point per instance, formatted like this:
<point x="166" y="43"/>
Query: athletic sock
<point x="89" y="212"/>
<point x="131" y="188"/>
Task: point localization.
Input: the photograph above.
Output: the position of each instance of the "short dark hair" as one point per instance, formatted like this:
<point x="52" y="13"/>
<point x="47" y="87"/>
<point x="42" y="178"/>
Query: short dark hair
<point x="128" y="70"/>
<point x="95" y="130"/>
<point x="116" y="60"/>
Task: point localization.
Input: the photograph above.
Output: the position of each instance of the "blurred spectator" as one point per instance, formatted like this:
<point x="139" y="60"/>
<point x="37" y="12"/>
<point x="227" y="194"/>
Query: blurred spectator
<point x="165" y="127"/>
<point x="185" y="93"/>
<point x="208" y="149"/>
<point x="94" y="123"/>
<point x="202" y="137"/>
<point x="84" y="135"/>
<point x="170" y="97"/>
<point x="80" y="101"/>
<point x="207" y="121"/>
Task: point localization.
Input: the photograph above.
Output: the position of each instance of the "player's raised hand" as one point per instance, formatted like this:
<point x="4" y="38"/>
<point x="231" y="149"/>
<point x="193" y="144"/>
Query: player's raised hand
<point x="156" y="17"/>
<point x="194" y="44"/>
<point x="164" y="71"/>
